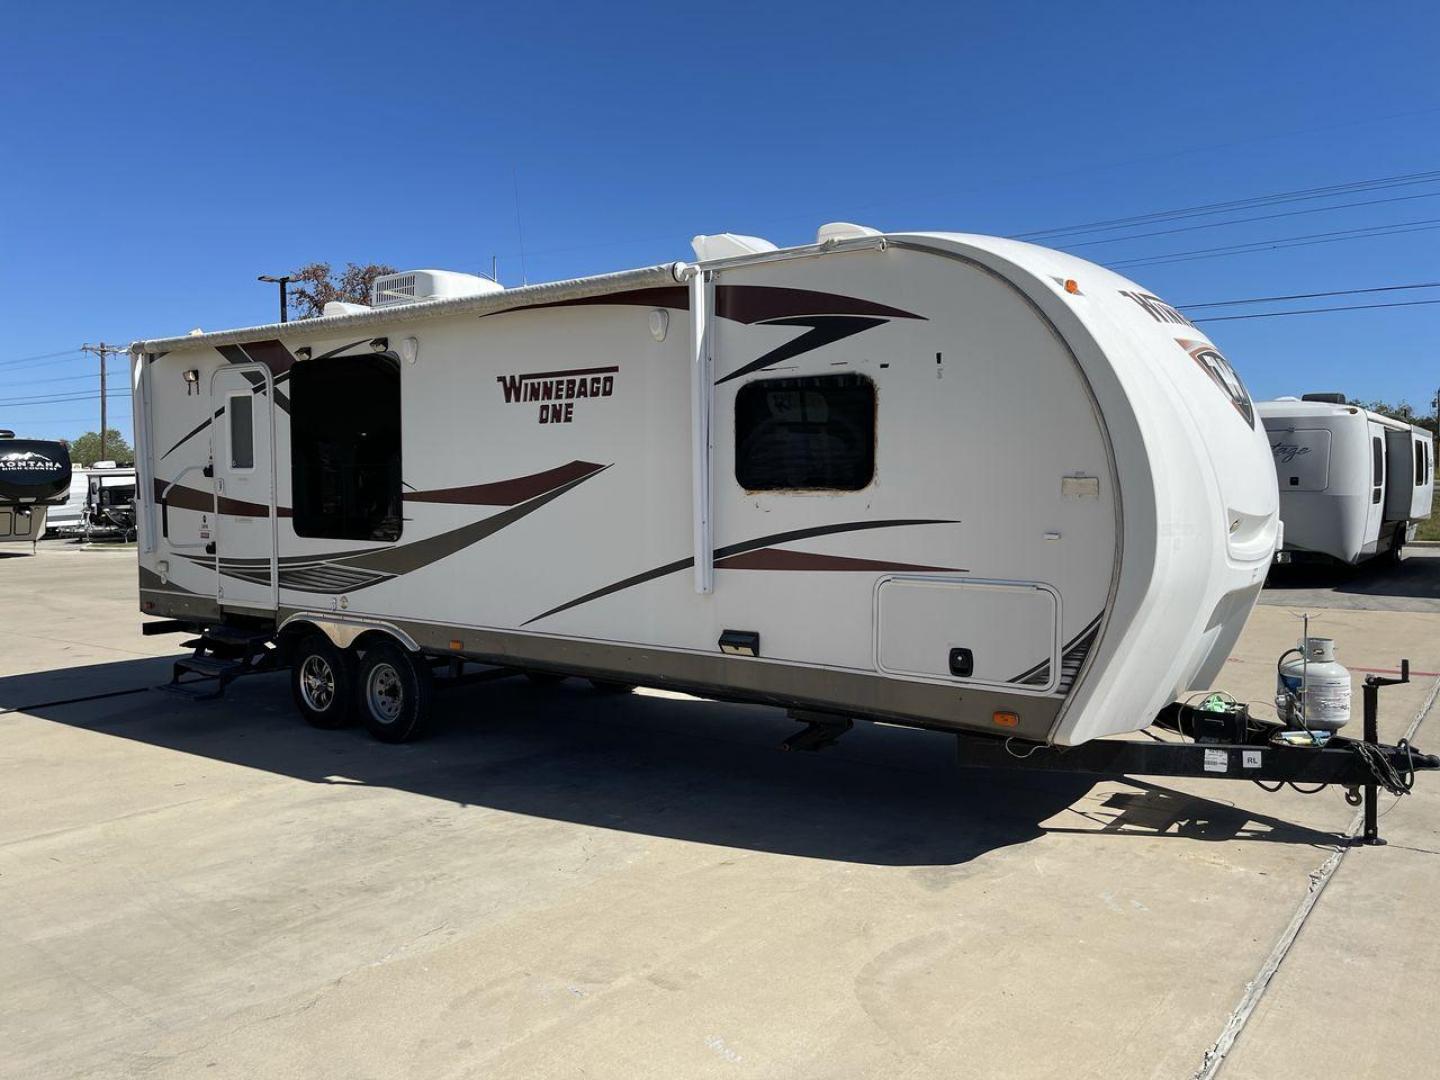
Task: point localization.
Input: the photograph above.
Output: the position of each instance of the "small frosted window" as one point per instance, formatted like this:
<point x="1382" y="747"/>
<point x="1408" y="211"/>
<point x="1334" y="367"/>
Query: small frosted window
<point x="242" y="432"/>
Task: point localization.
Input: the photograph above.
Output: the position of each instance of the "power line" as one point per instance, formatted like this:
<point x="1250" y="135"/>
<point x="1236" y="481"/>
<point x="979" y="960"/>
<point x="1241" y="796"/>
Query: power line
<point x="39" y="357"/>
<point x="1258" y="217"/>
<point x="1318" y="311"/>
<point x="1312" y="295"/>
<point x="60" y="378"/>
<point x="65" y="400"/>
<point x="1304" y="240"/>
<point x="1280" y="197"/>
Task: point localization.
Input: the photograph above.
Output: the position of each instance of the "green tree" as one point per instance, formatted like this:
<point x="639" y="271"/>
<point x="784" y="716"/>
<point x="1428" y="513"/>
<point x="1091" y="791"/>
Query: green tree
<point x="315" y="285"/>
<point x="85" y="450"/>
<point x="1402" y="411"/>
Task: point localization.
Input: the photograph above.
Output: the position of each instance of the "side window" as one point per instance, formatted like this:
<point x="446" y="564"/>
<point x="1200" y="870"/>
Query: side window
<point x="815" y="433"/>
<point x="1419" y="464"/>
<point x="345" y="448"/>
<point x="1377" y="458"/>
<point x="240" y="408"/>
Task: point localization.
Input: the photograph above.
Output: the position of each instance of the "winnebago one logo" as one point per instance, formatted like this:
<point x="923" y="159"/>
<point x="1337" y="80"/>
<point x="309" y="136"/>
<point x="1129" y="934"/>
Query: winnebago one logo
<point x="556" y="392"/>
<point x="29" y="461"/>
<point x="1156" y="308"/>
<point x="1285" y="452"/>
<point x="1219" y="369"/>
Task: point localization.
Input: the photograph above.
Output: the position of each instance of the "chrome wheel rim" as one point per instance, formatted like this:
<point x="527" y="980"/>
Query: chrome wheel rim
<point x="384" y="693"/>
<point x="317" y="683"/>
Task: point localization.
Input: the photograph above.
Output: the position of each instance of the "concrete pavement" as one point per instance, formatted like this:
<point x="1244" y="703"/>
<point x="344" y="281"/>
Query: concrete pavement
<point x="560" y="884"/>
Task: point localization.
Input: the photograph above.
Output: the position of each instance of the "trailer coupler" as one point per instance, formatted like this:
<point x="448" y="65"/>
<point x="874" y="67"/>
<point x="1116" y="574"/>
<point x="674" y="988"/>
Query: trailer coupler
<point x="1363" y="766"/>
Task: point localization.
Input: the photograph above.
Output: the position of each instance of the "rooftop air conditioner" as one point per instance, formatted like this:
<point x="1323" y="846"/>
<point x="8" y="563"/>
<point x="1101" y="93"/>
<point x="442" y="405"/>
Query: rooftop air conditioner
<point x="415" y="286"/>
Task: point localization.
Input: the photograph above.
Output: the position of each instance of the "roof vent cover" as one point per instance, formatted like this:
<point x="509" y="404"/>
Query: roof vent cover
<point x="415" y="286"/>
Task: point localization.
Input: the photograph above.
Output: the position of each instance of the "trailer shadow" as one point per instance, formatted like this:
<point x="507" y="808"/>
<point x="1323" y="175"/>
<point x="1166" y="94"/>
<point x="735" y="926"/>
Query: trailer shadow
<point x="1417" y="577"/>
<point x="657" y="765"/>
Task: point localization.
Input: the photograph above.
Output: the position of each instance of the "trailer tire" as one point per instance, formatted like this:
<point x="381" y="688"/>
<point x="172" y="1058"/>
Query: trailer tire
<point x="1397" y="546"/>
<point x="322" y="681"/>
<point x="393" y="692"/>
<point x="610" y="686"/>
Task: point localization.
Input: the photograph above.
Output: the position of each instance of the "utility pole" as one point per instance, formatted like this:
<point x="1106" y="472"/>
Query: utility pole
<point x="102" y="351"/>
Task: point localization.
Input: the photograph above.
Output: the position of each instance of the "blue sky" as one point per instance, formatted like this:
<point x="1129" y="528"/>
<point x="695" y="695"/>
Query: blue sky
<point x="155" y="159"/>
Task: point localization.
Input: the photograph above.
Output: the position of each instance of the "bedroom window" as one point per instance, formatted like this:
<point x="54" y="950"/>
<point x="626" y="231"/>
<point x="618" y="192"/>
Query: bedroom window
<point x="815" y="433"/>
<point x="345" y="447"/>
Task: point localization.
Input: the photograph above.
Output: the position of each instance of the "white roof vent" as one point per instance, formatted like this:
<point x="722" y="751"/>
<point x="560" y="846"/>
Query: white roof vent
<point x="727" y="245"/>
<point x="342" y="307"/>
<point x="842" y="230"/>
<point x="415" y="286"/>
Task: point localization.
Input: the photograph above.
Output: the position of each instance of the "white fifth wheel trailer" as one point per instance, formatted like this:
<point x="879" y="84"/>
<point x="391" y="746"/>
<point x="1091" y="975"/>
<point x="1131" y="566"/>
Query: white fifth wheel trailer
<point x="34" y="473"/>
<point x="1353" y="483"/>
<point x="946" y="480"/>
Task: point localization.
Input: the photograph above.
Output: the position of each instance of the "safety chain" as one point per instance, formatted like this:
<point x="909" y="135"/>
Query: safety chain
<point x="1386" y="775"/>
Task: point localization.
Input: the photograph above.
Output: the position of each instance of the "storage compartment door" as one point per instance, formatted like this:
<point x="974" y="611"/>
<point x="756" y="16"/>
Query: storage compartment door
<point x="1302" y="458"/>
<point x="976" y="633"/>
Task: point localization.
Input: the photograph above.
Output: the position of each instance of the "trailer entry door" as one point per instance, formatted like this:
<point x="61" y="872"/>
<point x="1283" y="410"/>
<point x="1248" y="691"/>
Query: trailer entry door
<point x="1375" y="511"/>
<point x="242" y="448"/>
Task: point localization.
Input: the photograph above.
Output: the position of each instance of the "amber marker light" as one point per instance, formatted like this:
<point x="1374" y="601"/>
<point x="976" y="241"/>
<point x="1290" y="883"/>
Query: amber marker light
<point x="456" y="644"/>
<point x="1006" y="719"/>
<point x="1072" y="286"/>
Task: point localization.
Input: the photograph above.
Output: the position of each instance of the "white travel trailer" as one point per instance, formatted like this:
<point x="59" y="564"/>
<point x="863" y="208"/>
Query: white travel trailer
<point x="946" y="480"/>
<point x="98" y="496"/>
<point x="1353" y="483"/>
<point x="33" y="474"/>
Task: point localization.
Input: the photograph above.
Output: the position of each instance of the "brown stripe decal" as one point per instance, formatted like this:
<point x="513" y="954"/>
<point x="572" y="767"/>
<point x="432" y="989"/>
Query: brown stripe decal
<point x="665" y="296"/>
<point x="822" y="330"/>
<point x="349" y="571"/>
<point x="187" y="498"/>
<point x="270" y="353"/>
<point x="730" y="551"/>
<point x="742" y="303"/>
<point x="781" y="559"/>
<point x="507" y="492"/>
<point x="768" y="303"/>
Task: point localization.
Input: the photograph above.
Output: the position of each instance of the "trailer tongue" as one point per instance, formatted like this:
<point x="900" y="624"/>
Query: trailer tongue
<point x="1233" y="745"/>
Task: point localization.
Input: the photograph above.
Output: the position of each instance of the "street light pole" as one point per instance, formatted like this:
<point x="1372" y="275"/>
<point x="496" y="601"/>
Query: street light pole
<point x="283" y="280"/>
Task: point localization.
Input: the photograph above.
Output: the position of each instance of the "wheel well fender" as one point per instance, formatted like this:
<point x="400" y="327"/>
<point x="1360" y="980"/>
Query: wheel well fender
<point x="343" y="633"/>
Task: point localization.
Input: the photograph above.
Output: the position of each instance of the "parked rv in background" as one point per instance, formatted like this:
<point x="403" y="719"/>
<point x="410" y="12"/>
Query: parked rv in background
<point x="97" y="495"/>
<point x="1353" y="484"/>
<point x="109" y="502"/>
<point x="33" y="474"/>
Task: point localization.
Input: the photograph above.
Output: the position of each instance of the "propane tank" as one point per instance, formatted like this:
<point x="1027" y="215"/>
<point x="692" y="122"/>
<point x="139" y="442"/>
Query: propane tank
<point x="1311" y="689"/>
